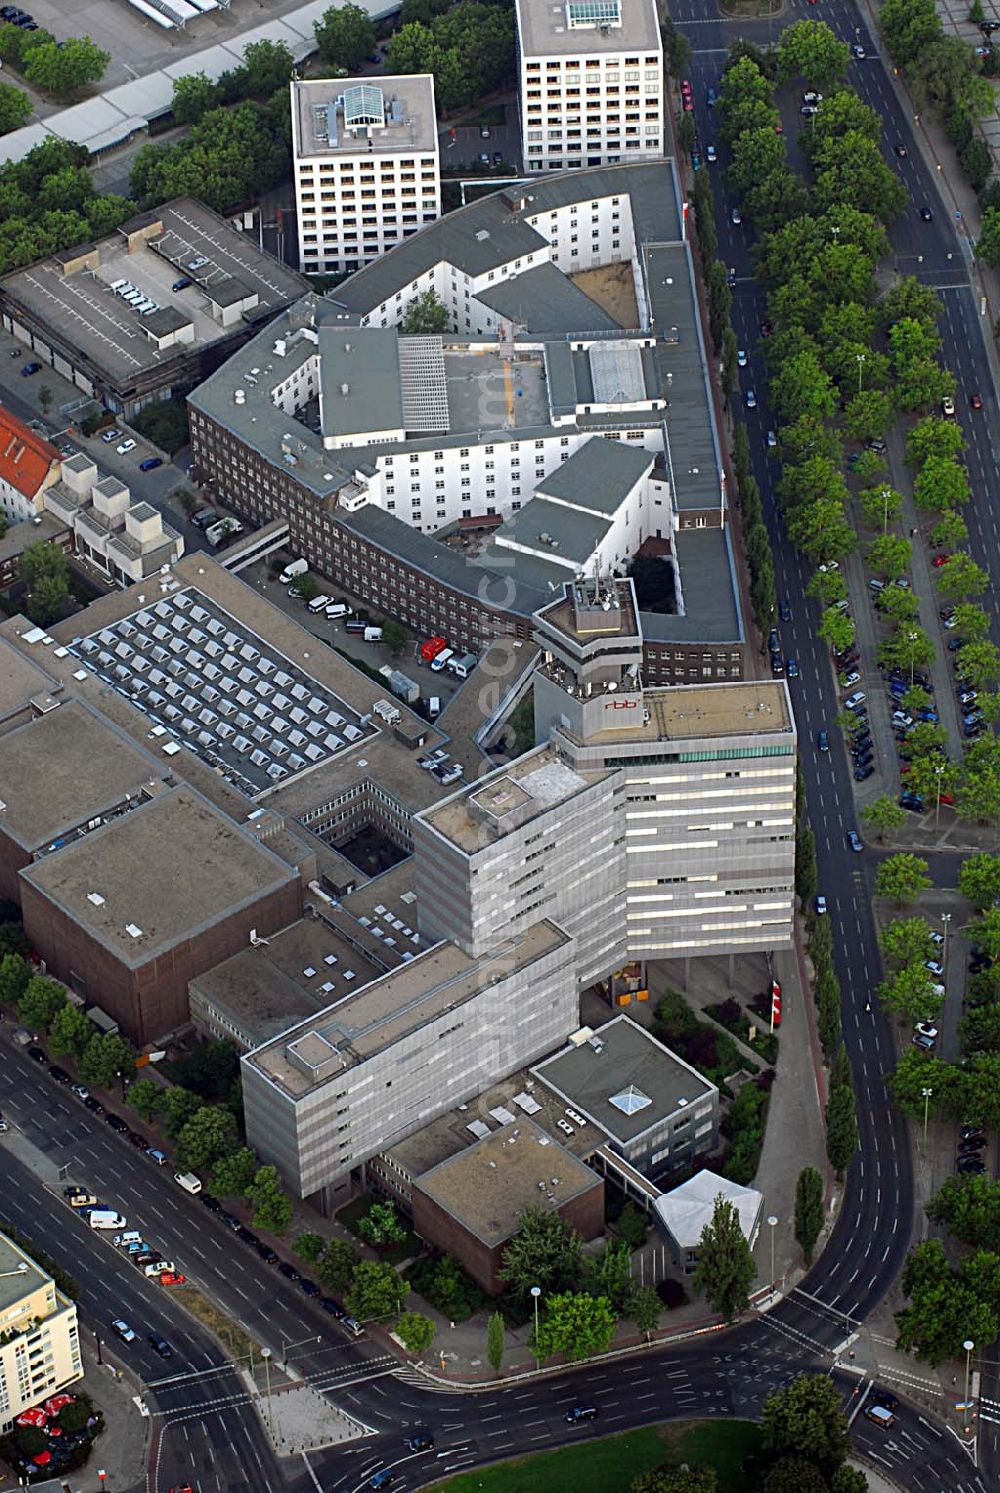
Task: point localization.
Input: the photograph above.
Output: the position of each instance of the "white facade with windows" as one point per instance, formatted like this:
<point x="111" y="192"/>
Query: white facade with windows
<point x="367" y="169"/>
<point x="591" y="83"/>
<point x="39" y="1339"/>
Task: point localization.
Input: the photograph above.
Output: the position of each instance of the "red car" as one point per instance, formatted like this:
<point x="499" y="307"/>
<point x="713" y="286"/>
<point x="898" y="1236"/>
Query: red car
<point x="975" y="401"/>
<point x="687" y="103"/>
<point x="172" y="1278"/>
<point x="940" y="560"/>
<point x="184" y="1488"/>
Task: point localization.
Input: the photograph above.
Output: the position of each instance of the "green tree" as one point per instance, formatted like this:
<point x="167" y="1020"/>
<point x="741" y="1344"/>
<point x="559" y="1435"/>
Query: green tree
<point x="335" y="1269"/>
<point x="209" y="1135"/>
<point x="380" y="1225"/>
<point x="941" y="484"/>
<point x="821" y="530"/>
<point x="801" y="387"/>
<point x="841" y="1128"/>
<point x="609" y="1274"/>
<point x="978" y="664"/>
<point x="376" y="1291"/>
<point x="988" y="243"/>
<point x="345" y="36"/>
<point x="950" y="531"/>
<point x="676" y="48"/>
<point x="146" y="1097"/>
<point x="65" y="69"/>
<point x="415" y="1332"/>
<point x="194" y="95"/>
<point x="908" y="648"/>
<point x="971" y="621"/>
<point x="394" y="637"/>
<point x="868" y="414"/>
<point x="889" y="556"/>
<point x="848" y="1479"/>
<point x="544" y="1252"/>
<point x="15" y="108"/>
<point x="986" y="931"/>
<point x="910" y="993"/>
<point x="898" y="604"/>
<point x="960" y="577"/>
<point x="827" y="586"/>
<point x="266" y="67"/>
<point x="495" y="1341"/>
<point x="69" y="1033"/>
<point x="426" y="314"/>
<point x="725" y="1269"/>
<point x="806" y="1419"/>
<point x="232" y="1174"/>
<point x="210" y="1069"/>
<point x="45" y="570"/>
<point x="906" y="941"/>
<point x="41" y="1000"/>
<point x="178" y="1105"/>
<point x="901" y="877"/>
<point x="934" y="436"/>
<point x="15" y="972"/>
<point x="575" y="1324"/>
<point x="943" y="1312"/>
<point x="969" y="1207"/>
<point x="643" y="1307"/>
<point x="105" y="1058"/>
<point x="809" y="1210"/>
<point x="272" y="1209"/>
<point x="810" y="50"/>
<point x="309" y="1247"/>
<point x="884" y="814"/>
<point x="979" y="879"/>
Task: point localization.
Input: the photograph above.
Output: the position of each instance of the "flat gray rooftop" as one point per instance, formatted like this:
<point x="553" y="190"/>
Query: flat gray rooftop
<point x="113" y="337"/>
<point x="281" y="980"/>
<point x="359" y="1026"/>
<point x="488" y="1186"/>
<point x="400" y="111"/>
<point x="64" y="769"/>
<point x="159" y="875"/>
<point x="15" y="1283"/>
<point x="623" y="1079"/>
<point x="22" y="681"/>
<point x="545" y="29"/>
<point x="545" y="301"/>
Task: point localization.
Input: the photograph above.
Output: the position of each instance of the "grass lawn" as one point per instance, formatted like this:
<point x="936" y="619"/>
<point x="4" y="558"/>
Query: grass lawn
<point x="609" y="1464"/>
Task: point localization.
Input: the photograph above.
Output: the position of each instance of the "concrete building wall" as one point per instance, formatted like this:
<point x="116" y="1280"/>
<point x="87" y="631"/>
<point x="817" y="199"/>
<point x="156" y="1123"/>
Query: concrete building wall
<point x="147" y="1000"/>
<point x="710" y="843"/>
<point x="316" y="1140"/>
<point x="444" y="1231"/>
<point x="567" y="864"/>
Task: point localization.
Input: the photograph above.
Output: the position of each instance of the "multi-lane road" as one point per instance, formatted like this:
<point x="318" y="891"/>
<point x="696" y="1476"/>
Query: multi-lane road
<point x="208" y="1429"/>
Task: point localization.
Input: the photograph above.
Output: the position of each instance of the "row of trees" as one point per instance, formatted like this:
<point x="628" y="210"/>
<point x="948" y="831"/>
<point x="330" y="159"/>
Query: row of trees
<point x="44" y="569"/>
<point x="947" y="76"/>
<point x="48" y="202"/>
<point x="62" y="69"/>
<point x="267" y="67"/>
<point x="469" y="47"/>
<point x="43" y="1006"/>
<point x="230" y="157"/>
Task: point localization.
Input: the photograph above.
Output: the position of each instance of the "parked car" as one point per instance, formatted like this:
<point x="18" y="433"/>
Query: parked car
<point x="121" y="1329"/>
<point x="30" y="368"/>
<point x="150" y="463"/>
<point x="919" y="1039"/>
<point x="124" y="447"/>
<point x="854" y="841"/>
<point x="820" y="905"/>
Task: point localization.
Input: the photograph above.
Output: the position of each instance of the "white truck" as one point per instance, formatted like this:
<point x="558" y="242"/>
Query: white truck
<point x="293" y="569"/>
<point x="106" y="1218"/>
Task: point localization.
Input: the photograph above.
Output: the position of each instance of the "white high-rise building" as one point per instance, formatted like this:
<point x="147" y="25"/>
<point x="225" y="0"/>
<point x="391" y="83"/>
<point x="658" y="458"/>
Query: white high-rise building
<point x="366" y="167"/>
<point x="591" y="80"/>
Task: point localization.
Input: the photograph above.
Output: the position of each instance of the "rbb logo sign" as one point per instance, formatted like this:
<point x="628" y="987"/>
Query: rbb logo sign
<point x="621" y="704"/>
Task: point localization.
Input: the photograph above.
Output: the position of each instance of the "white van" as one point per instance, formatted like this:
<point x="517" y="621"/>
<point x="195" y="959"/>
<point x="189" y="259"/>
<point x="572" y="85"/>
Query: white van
<point x="319" y="604"/>
<point x="440" y="659"/>
<point x="188" y="1181"/>
<point x="297" y="567"/>
<point x="335" y="609"/>
<point x="434" y="707"/>
<point x="105" y="1218"/>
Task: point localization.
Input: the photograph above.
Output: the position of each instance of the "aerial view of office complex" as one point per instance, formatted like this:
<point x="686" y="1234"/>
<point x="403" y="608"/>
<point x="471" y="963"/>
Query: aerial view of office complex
<point x="499" y="774"/>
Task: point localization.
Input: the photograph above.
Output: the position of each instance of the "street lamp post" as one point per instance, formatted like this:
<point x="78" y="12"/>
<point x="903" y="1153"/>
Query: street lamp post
<point x="945" y="920"/>
<point x="862" y="358"/>
<point x="926" y="1096"/>
<point x="886" y="493"/>
<point x="287" y="1346"/>
<point x="968" y="1345"/>
<point x="911" y="638"/>
<point x="265" y="1354"/>
<point x="536" y="1291"/>
<point x="772" y="1224"/>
